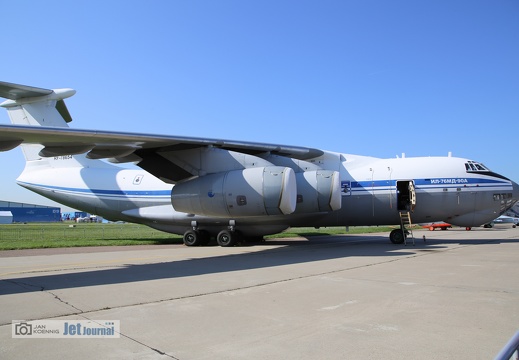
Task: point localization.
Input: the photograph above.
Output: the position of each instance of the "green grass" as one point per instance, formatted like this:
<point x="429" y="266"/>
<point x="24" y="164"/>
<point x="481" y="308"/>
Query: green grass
<point x="32" y="236"/>
<point x="57" y="235"/>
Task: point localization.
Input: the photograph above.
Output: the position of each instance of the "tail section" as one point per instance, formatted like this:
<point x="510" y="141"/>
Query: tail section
<point x="32" y="106"/>
<point x="60" y="172"/>
<point x="36" y="106"/>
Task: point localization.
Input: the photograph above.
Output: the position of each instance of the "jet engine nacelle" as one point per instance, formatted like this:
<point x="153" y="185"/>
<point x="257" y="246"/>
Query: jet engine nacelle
<point x="318" y="191"/>
<point x="269" y="190"/>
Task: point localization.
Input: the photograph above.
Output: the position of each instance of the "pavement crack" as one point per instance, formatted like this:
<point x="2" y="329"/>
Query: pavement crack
<point x="31" y="287"/>
<point x="57" y="297"/>
<point x="160" y="352"/>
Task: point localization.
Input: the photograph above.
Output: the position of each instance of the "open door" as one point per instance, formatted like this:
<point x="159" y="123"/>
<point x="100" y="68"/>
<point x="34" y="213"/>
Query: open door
<point x="405" y="195"/>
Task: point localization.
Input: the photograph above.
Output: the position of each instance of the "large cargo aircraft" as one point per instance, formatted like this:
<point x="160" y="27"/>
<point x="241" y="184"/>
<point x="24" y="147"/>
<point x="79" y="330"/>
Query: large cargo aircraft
<point x="231" y="190"/>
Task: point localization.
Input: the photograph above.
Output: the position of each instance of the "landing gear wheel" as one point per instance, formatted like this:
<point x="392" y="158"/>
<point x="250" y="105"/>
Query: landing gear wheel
<point x="396" y="236"/>
<point x="226" y="238"/>
<point x="192" y="238"/>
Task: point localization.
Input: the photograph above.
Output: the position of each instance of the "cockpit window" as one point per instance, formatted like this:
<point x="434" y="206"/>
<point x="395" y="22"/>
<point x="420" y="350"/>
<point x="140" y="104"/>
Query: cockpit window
<point x="472" y="166"/>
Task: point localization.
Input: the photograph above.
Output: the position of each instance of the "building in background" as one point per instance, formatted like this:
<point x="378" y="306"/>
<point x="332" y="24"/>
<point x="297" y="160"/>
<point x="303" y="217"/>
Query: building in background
<point x="6" y="217"/>
<point x="25" y="213"/>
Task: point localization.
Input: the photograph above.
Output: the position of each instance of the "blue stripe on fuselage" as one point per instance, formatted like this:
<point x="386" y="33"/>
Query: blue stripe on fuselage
<point x="425" y="183"/>
<point x="102" y="192"/>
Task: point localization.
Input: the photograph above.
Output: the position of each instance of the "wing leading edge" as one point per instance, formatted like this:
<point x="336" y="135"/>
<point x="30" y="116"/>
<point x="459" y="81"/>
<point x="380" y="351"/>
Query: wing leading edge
<point x="152" y="152"/>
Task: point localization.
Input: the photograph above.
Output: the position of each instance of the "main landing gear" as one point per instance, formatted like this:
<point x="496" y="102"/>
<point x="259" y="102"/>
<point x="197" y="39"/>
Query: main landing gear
<point x="196" y="238"/>
<point x="225" y="238"/>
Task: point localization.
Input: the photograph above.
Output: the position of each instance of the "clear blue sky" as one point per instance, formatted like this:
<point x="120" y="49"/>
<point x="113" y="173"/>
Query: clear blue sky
<point x="374" y="78"/>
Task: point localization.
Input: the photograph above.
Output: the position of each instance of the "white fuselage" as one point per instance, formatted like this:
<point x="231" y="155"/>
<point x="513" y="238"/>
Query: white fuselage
<point x="444" y="191"/>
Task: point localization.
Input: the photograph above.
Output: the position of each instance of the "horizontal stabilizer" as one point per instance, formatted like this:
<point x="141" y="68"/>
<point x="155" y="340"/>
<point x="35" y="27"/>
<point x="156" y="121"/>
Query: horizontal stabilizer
<point x="34" y="102"/>
<point x="16" y="92"/>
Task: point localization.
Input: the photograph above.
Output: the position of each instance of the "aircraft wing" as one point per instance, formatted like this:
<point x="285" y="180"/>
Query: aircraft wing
<point x="167" y="157"/>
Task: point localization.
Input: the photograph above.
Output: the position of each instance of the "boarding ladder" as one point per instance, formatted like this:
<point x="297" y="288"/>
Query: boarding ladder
<point x="405" y="221"/>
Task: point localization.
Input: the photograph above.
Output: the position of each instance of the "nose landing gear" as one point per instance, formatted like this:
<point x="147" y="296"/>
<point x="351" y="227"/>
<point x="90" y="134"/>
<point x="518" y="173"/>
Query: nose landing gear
<point x="397" y="236"/>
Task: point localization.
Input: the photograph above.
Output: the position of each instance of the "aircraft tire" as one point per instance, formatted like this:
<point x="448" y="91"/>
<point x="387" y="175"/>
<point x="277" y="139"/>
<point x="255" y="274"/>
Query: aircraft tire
<point x="226" y="238"/>
<point x="192" y="238"/>
<point x="396" y="236"/>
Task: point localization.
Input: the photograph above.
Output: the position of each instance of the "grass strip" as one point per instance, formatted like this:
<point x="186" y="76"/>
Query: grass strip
<point x="57" y="235"/>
